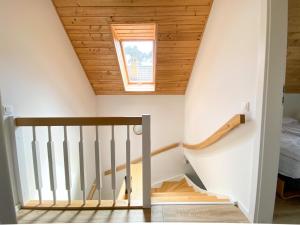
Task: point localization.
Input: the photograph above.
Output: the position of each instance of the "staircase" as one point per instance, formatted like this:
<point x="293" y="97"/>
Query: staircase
<point x="181" y="191"/>
<point x="187" y="189"/>
<point x="169" y="191"/>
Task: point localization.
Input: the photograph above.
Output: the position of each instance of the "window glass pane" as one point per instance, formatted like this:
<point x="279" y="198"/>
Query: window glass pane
<point x="139" y="60"/>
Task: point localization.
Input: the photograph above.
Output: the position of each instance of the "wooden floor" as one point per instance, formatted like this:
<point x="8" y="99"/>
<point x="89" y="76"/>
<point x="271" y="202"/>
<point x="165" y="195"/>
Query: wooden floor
<point x="159" y="213"/>
<point x="287" y="211"/>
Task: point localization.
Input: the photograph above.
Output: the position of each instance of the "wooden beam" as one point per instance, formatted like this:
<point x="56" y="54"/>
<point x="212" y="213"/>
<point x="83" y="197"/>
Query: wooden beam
<point x="221" y="132"/>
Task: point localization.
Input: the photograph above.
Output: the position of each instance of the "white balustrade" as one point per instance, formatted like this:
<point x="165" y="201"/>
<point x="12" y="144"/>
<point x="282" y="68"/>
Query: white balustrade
<point x="96" y="122"/>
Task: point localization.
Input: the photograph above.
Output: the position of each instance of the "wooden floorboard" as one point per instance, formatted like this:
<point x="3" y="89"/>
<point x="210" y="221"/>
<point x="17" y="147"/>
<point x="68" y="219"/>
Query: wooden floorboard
<point x="287" y="211"/>
<point x="159" y="213"/>
<point x="78" y="205"/>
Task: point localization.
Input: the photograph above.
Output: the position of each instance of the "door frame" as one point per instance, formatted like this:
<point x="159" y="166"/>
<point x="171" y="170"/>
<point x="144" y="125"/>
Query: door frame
<point x="274" y="24"/>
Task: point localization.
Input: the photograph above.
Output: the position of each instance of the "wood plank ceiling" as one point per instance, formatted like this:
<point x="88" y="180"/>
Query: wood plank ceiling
<point x="180" y="24"/>
<point x="292" y="81"/>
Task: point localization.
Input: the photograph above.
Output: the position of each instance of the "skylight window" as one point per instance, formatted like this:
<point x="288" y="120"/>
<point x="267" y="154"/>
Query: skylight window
<point x="135" y="47"/>
<point x="139" y="61"/>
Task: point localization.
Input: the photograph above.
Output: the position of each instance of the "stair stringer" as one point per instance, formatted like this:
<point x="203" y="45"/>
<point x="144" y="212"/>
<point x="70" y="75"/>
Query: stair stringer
<point x="191" y="183"/>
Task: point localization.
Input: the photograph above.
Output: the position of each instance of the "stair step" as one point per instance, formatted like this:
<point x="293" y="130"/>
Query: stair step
<point x="180" y="184"/>
<point x="165" y="194"/>
<point x="185" y="189"/>
<point x="168" y="185"/>
<point x="180" y="191"/>
<point x="153" y="190"/>
<point x="188" y="199"/>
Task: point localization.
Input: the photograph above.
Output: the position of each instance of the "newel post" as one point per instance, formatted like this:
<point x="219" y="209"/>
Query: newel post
<point x="7" y="212"/>
<point x="146" y="160"/>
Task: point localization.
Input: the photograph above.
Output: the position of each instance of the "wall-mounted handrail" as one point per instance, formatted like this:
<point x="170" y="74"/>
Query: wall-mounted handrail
<point x="77" y="121"/>
<point x="221" y="132"/>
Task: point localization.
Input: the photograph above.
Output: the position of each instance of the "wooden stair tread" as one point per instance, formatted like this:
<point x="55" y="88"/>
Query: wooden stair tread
<point x="180" y="191"/>
<point x="185" y="189"/>
<point x="153" y="190"/>
<point x="162" y="194"/>
<point x="167" y="185"/>
<point x="178" y="185"/>
<point x="188" y="199"/>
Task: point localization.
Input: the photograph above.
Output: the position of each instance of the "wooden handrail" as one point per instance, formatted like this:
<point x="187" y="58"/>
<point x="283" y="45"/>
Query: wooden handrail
<point x="92" y="191"/>
<point x="153" y="153"/>
<point x="78" y="121"/>
<point x="221" y="132"/>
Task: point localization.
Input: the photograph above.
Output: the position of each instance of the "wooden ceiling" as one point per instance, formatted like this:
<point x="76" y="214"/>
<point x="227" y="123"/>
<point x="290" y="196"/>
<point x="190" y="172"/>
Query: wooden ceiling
<point x="180" y="24"/>
<point x="292" y="81"/>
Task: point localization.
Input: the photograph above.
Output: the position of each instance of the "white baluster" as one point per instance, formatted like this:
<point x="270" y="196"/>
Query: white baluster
<point x="81" y="159"/>
<point x="128" y="174"/>
<point x="51" y="160"/>
<point x="37" y="164"/>
<point x="98" y="165"/>
<point x="146" y="160"/>
<point x="67" y="164"/>
<point x="113" y="163"/>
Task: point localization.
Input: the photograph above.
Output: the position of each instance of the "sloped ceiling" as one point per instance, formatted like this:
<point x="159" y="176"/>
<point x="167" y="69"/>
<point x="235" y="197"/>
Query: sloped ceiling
<point x="180" y="24"/>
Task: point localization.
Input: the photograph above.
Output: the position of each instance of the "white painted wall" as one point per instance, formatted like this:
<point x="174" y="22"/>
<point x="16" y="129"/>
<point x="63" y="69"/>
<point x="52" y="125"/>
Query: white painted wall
<point x="40" y="75"/>
<point x="167" y="114"/>
<point x="292" y="105"/>
<point x="225" y="75"/>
